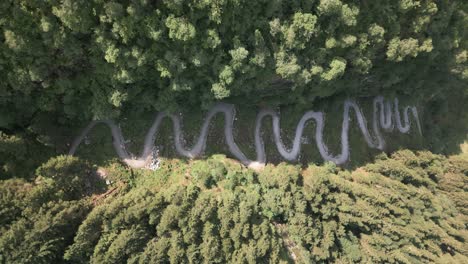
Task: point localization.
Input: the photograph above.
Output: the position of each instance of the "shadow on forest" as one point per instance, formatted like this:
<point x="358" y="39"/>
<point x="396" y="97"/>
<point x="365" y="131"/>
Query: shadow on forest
<point x="446" y="125"/>
<point x="444" y="128"/>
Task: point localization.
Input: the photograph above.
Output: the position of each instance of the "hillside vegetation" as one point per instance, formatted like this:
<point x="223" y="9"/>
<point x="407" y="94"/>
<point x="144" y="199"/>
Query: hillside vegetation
<point x="409" y="208"/>
<point x="64" y="63"/>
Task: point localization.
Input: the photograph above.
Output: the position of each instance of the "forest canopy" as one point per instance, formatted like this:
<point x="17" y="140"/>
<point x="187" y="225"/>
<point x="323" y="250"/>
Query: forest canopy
<point x="64" y="63"/>
<point x="82" y="60"/>
<point x="409" y="208"/>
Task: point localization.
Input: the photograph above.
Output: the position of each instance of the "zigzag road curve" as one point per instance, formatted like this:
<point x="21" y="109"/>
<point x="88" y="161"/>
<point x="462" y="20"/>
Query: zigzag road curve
<point x="385" y="116"/>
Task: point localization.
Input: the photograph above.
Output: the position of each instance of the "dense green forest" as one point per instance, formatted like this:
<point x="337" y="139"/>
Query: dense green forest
<point x="82" y="59"/>
<point x="64" y="63"/>
<point x="409" y="208"/>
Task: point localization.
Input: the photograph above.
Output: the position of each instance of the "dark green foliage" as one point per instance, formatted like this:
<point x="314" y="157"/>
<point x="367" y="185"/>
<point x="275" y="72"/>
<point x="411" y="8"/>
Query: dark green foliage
<point x="166" y="55"/>
<point x="446" y="121"/>
<point x="67" y="178"/>
<point x="15" y="156"/>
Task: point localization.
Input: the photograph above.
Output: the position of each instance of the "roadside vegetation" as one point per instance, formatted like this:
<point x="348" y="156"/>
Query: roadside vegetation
<point x="407" y="208"/>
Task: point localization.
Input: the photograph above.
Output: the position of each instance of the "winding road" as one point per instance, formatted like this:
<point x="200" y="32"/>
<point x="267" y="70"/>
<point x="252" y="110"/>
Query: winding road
<point x="386" y="115"/>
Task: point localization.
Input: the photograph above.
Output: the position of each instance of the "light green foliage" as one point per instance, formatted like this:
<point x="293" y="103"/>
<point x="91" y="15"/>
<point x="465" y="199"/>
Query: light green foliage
<point x="399" y="49"/>
<point x="192" y="222"/>
<point x="337" y="68"/>
<point x="409" y="208"/>
<point x="301" y="30"/>
<point x="180" y="29"/>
